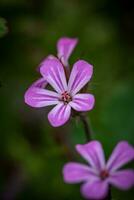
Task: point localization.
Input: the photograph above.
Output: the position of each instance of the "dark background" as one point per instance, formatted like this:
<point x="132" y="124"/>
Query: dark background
<point x="32" y="153"/>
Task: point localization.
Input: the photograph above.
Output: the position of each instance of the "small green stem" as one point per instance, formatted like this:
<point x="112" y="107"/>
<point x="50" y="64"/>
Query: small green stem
<point x="86" y="125"/>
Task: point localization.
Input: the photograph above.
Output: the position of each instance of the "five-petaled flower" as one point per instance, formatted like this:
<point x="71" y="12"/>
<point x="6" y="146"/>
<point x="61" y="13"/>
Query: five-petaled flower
<point x="99" y="175"/>
<point x="66" y="95"/>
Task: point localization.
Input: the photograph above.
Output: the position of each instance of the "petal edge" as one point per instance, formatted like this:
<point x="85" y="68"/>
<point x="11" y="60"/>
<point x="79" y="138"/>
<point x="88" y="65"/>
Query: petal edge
<point x="80" y="75"/>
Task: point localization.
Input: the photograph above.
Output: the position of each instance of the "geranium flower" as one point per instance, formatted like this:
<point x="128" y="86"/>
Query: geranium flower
<point x="65" y="47"/>
<point x="99" y="175"/>
<point x="66" y="95"/>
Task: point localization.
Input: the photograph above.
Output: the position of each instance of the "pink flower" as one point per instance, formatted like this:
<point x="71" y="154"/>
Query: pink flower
<point x="65" y="47"/>
<point x="98" y="175"/>
<point x="66" y="95"/>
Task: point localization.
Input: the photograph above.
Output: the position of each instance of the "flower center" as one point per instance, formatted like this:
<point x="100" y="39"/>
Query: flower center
<point x="66" y="97"/>
<point x="104" y="174"/>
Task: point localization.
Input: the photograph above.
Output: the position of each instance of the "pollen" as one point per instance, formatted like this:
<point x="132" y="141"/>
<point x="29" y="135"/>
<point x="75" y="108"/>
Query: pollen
<point x="104" y="174"/>
<point x="66" y="97"/>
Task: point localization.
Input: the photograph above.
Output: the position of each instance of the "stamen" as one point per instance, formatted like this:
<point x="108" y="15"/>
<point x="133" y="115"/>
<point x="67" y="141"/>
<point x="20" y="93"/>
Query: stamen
<point x="66" y="97"/>
<point x="104" y="174"/>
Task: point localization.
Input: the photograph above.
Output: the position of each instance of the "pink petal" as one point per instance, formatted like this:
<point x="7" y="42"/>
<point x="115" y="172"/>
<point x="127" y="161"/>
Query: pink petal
<point x="38" y="97"/>
<point x="123" y="179"/>
<point x="122" y="154"/>
<point x="40" y="83"/>
<point x="96" y="189"/>
<point x="42" y="62"/>
<point x="59" y="115"/>
<point x="93" y="153"/>
<point x="65" y="46"/>
<point x="75" y="173"/>
<point x="82" y="102"/>
<point x="53" y="71"/>
<point x="80" y="75"/>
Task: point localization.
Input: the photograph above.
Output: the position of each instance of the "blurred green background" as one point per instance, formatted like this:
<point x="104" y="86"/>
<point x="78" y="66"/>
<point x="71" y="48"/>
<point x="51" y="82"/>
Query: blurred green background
<point x="32" y="153"/>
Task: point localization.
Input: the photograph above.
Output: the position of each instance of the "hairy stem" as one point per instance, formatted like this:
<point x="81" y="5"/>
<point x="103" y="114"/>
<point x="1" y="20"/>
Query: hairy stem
<point x="87" y="127"/>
